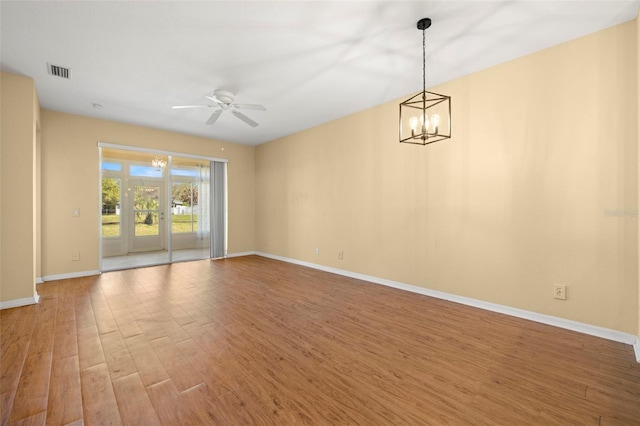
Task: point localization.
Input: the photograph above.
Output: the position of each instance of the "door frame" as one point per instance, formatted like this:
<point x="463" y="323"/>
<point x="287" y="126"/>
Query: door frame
<point x="169" y="155"/>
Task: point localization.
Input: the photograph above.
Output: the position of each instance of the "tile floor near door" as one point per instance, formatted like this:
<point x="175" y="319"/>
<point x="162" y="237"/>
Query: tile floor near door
<point x="136" y="260"/>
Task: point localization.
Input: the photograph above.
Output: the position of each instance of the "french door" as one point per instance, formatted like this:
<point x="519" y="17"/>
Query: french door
<point x="146" y="213"/>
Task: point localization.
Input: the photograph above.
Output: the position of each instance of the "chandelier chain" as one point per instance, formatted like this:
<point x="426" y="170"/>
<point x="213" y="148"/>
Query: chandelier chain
<point x="424" y="60"/>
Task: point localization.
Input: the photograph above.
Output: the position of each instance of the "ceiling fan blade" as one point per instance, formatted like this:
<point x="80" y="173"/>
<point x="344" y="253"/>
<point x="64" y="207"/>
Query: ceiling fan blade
<point x="250" y="106"/>
<point x="244" y="118"/>
<point x="214" y="117"/>
<point x="191" y="106"/>
<point x="213" y="98"/>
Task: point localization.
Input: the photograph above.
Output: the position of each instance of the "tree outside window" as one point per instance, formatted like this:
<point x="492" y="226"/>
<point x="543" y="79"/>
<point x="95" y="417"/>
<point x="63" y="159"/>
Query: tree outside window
<point x="184" y="207"/>
<point x="110" y="207"/>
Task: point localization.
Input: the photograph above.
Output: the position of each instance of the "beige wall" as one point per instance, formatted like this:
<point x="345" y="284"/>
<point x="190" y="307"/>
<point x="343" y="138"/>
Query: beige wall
<point x="37" y="176"/>
<point x="20" y="111"/>
<point x="70" y="180"/>
<point x="38" y="202"/>
<point x="534" y="188"/>
<point x="638" y="120"/>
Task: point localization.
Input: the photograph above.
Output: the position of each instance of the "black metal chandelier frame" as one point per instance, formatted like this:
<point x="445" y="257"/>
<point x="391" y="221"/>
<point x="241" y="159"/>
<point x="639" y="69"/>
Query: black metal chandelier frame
<point x="423" y="103"/>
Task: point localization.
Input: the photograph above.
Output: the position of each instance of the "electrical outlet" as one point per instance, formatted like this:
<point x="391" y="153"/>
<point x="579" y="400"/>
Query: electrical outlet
<point x="316" y="250"/>
<point x="560" y="291"/>
<point x="340" y="255"/>
<point x="75" y="256"/>
<point x="75" y="212"/>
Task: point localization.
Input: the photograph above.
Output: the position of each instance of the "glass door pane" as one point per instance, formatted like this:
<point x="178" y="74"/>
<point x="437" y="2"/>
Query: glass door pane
<point x="147" y="213"/>
<point x="184" y="217"/>
<point x="190" y="234"/>
<point x="146" y="208"/>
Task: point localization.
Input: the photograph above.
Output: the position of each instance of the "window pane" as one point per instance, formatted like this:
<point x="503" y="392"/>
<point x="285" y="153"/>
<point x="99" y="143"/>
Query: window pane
<point x="146" y="224"/>
<point x="145" y="171"/>
<point x="146" y="204"/>
<point x="117" y="167"/>
<point x="184" y="207"/>
<point x="184" y="172"/>
<point x="110" y="207"/>
<point x="194" y="219"/>
<point x="183" y="223"/>
<point x="146" y="197"/>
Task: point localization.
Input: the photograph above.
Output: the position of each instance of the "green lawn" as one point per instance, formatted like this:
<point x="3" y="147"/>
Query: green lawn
<point x="142" y="229"/>
<point x="110" y="218"/>
<point x="110" y="225"/>
<point x="180" y="223"/>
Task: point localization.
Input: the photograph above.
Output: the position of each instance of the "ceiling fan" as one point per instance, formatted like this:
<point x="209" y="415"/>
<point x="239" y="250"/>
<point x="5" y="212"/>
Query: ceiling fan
<point x="223" y="101"/>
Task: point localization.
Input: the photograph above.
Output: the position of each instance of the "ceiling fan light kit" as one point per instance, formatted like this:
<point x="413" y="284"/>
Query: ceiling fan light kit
<point x="223" y="101"/>
<point x="426" y="117"/>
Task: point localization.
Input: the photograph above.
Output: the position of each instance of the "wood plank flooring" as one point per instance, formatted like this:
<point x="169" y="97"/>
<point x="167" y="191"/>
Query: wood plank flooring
<point x="256" y="341"/>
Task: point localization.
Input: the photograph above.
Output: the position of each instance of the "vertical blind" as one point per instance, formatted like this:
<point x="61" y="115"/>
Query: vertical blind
<point x="218" y="209"/>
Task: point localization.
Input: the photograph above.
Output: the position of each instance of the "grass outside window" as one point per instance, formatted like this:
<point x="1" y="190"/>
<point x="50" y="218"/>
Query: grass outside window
<point x="180" y="223"/>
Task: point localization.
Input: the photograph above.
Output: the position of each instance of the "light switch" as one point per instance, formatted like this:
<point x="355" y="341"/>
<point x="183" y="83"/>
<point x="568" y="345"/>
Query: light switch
<point x="75" y="212"/>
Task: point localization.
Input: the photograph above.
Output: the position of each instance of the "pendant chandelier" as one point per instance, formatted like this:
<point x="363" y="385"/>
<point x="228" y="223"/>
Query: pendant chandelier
<point x="426" y="117"/>
<point x="158" y="163"/>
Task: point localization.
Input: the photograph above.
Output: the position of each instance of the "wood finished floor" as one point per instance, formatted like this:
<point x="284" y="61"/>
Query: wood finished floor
<point x="256" y="341"/>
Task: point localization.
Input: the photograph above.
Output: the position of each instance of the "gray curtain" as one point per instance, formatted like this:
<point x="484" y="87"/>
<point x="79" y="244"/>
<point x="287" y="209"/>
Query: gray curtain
<point x="218" y="209"/>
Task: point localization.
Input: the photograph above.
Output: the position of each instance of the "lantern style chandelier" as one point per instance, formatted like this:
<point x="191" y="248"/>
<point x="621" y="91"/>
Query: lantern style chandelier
<point x="426" y="117"/>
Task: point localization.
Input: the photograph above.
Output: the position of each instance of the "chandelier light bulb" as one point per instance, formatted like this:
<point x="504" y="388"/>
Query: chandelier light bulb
<point x="413" y="122"/>
<point x="158" y="163"/>
<point x="435" y="120"/>
<point x="424" y="122"/>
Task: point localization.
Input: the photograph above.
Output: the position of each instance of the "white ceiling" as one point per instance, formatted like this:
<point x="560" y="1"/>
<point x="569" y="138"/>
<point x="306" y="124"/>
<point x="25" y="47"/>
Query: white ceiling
<point x="307" y="62"/>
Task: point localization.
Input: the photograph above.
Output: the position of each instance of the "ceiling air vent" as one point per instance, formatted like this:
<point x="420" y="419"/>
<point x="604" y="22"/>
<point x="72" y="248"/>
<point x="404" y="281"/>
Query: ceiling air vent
<point x="58" y="71"/>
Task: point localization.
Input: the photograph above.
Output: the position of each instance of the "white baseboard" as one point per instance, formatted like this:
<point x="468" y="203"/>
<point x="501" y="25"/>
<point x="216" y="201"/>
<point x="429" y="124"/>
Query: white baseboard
<point x="20" y="302"/>
<point x="592" y="330"/>
<point x="39" y="280"/>
<point x="244" y="253"/>
<point x="70" y="275"/>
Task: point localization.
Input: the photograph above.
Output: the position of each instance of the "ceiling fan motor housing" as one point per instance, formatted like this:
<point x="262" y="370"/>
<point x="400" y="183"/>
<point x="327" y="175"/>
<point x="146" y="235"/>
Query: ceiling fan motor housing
<point x="224" y="96"/>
